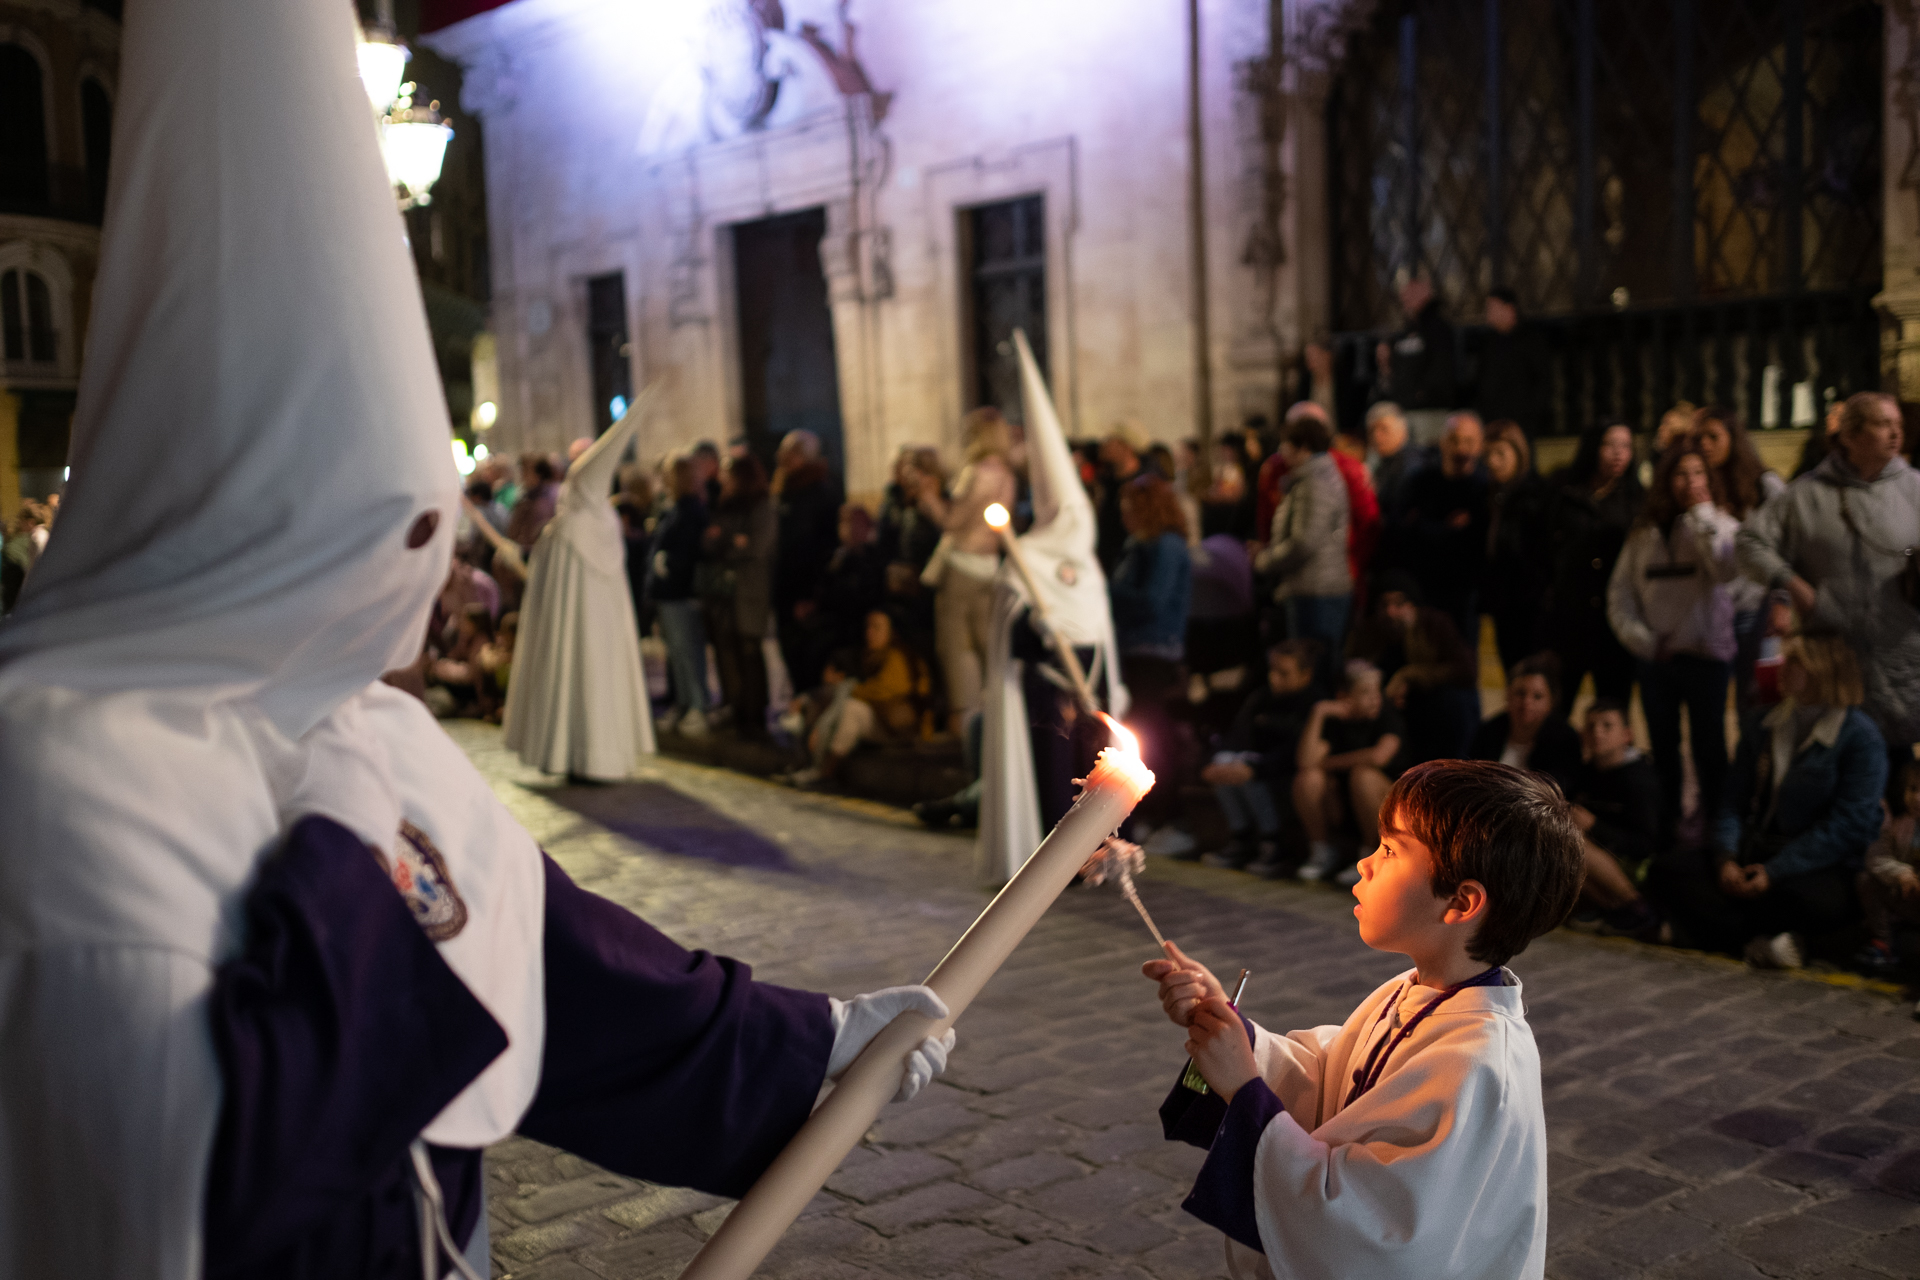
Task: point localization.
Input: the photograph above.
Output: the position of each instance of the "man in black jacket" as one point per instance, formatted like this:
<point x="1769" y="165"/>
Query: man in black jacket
<point x="807" y="498"/>
<point x="1516" y="379"/>
<point x="1417" y="367"/>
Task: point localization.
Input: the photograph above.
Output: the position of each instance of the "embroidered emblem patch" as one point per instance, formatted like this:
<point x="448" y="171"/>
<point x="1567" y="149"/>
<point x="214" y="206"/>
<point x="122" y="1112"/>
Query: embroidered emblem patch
<point x="1068" y="572"/>
<point x="420" y="874"/>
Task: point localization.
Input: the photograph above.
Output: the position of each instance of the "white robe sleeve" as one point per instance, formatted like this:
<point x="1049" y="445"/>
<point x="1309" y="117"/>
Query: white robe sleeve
<point x="1294" y="1065"/>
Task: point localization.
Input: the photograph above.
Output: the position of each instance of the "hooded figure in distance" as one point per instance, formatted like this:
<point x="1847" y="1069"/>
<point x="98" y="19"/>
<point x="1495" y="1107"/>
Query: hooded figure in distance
<point x="577" y="700"/>
<point x="275" y="964"/>
<point x="1029" y="754"/>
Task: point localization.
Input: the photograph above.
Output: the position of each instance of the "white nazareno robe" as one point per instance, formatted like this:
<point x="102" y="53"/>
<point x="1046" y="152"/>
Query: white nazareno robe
<point x="1439" y="1172"/>
<point x="577" y="700"/>
<point x="261" y="513"/>
<point x="1059" y="552"/>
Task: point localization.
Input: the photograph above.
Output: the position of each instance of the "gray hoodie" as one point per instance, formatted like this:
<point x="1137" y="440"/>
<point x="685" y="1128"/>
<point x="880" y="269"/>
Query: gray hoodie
<point x="1307" y="546"/>
<point x="1804" y="531"/>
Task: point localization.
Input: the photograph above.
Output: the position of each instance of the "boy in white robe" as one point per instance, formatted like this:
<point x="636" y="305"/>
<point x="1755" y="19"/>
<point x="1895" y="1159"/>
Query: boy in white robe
<point x="1410" y="1141"/>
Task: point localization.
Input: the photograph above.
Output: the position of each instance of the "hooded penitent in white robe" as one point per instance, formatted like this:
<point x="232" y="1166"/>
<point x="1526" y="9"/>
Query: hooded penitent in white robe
<point x="1439" y="1172"/>
<point x="1059" y="552"/>
<point x="577" y="702"/>
<point x="261" y="511"/>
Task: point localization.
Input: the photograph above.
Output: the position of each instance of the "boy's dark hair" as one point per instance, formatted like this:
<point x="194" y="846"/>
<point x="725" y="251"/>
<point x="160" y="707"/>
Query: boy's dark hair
<point x="1303" y="654"/>
<point x="846" y="661"/>
<point x="1507" y="828"/>
<point x="1605" y="706"/>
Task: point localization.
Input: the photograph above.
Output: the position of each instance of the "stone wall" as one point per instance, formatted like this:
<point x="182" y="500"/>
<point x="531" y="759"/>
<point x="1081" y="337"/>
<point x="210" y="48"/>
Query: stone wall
<point x="625" y="137"/>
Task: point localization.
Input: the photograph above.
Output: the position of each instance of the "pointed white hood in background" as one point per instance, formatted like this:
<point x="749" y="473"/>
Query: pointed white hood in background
<point x="260" y="421"/>
<point x="1059" y="552"/>
<point x="1059" y="548"/>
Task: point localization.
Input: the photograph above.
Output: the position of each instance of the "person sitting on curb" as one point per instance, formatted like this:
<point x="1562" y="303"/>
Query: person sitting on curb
<point x="1616" y="805"/>
<point x="887" y="703"/>
<point x="1890" y="886"/>
<point x="1257" y="759"/>
<point x="1349" y="751"/>
<point x="1801" y="806"/>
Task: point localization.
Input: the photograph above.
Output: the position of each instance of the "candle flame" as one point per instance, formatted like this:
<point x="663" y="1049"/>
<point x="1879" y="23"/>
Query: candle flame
<point x="1122" y="736"/>
<point x="996" y="515"/>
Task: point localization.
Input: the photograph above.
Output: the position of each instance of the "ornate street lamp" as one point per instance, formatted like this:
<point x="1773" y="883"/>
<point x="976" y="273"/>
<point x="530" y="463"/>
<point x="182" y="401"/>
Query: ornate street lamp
<point x="413" y="139"/>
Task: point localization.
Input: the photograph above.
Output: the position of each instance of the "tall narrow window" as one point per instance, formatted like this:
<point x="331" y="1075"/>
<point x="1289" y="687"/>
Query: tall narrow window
<point x="789" y="374"/>
<point x="607" y="347"/>
<point x="26" y="307"/>
<point x="96" y="128"/>
<point x="23" y="132"/>
<point x="1007" y="269"/>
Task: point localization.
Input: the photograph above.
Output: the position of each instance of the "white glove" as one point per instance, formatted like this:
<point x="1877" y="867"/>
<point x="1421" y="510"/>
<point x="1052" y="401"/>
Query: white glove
<point x="857" y="1021"/>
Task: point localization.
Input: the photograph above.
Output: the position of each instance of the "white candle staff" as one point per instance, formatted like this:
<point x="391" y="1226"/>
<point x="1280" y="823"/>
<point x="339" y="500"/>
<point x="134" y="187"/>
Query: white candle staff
<point x="1107" y="796"/>
<point x="1001" y="523"/>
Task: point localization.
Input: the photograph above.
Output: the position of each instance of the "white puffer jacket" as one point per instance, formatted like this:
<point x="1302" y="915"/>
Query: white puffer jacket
<point x="1669" y="592"/>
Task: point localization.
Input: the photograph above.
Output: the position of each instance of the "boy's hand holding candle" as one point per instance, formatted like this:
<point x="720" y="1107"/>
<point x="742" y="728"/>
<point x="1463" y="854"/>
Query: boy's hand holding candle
<point x="1185" y="984"/>
<point x="1217" y="1042"/>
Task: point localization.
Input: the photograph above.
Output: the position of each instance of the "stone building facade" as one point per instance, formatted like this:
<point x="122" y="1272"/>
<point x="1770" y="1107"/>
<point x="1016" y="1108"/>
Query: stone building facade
<point x="1180" y="196"/>
<point x="57" y="65"/>
<point x="660" y="145"/>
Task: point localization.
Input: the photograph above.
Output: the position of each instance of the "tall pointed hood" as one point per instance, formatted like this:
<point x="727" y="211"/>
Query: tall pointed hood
<point x="1059" y="548"/>
<point x="262" y="496"/>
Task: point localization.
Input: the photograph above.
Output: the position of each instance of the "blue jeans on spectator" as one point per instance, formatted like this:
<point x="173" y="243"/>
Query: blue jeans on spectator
<point x="1700" y="685"/>
<point x="1322" y="618"/>
<point x="1249" y="805"/>
<point x="686" y="651"/>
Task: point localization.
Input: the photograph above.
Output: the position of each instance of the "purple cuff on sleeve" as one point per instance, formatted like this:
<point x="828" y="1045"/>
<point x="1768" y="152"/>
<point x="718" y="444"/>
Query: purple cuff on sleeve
<point x="1222" y="1195"/>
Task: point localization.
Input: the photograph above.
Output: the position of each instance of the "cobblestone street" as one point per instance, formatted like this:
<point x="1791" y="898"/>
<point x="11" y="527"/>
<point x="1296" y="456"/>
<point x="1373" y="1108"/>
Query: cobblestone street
<point x="1705" y="1122"/>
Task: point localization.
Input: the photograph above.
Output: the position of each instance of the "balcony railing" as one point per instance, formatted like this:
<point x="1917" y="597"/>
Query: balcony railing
<point x="1775" y="360"/>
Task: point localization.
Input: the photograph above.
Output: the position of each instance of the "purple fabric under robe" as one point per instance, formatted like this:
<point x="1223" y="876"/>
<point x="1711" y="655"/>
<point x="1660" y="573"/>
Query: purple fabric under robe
<point x="341" y="1033"/>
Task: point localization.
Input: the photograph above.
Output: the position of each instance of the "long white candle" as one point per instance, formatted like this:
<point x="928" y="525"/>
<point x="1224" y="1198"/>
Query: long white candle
<point x="1115" y="786"/>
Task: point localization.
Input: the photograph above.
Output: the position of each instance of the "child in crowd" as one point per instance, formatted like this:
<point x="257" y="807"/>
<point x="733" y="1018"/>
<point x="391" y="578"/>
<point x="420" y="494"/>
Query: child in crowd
<point x="1890" y="886"/>
<point x="454" y="678"/>
<point x="881" y="695"/>
<point x="1411" y="1141"/>
<point x="1350" y="750"/>
<point x="496" y="665"/>
<point x="1616" y="805"/>
<point x="1257" y="756"/>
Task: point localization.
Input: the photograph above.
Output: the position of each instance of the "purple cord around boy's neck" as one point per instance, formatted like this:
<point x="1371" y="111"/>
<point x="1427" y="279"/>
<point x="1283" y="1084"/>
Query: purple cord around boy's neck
<point x="1365" y="1077"/>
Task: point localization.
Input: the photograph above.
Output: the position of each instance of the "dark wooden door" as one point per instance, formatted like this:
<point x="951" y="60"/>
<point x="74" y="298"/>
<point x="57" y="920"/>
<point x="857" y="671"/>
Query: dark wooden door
<point x="789" y="380"/>
<point x="607" y="342"/>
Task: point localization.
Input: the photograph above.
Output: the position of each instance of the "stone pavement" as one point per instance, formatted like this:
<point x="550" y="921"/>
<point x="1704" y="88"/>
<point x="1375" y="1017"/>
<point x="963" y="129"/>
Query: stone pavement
<point x="1704" y="1121"/>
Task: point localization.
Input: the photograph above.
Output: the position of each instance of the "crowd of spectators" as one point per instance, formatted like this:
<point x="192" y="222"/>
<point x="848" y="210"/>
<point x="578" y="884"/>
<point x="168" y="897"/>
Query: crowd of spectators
<point x="1298" y="615"/>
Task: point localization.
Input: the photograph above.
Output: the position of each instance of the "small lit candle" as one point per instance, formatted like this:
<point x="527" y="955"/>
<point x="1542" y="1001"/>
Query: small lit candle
<point x="1107" y="796"/>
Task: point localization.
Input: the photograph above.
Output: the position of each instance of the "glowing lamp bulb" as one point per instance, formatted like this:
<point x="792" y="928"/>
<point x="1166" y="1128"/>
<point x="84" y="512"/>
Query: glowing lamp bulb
<point x="382" y="64"/>
<point x="996" y="516"/>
